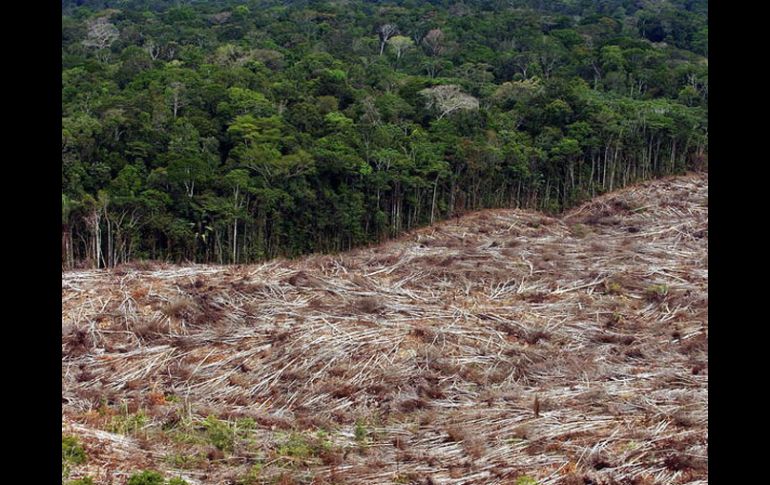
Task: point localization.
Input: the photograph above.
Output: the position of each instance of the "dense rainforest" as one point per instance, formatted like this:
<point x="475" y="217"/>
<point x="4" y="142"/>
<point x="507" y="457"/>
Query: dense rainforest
<point x="231" y="131"/>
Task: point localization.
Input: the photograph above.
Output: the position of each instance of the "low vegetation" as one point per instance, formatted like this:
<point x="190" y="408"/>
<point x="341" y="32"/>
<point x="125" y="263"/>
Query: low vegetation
<point x="72" y="453"/>
<point x="150" y="477"/>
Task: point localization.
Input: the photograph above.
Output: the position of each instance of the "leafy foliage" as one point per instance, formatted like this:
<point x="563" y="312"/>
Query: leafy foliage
<point x="231" y="131"/>
<point x="82" y="481"/>
<point x="526" y="480"/>
<point x="220" y="433"/>
<point x="150" y="477"/>
<point x="72" y="453"/>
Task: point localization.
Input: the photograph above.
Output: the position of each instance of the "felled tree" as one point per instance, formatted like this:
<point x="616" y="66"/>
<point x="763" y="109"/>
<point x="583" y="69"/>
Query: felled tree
<point x="449" y="98"/>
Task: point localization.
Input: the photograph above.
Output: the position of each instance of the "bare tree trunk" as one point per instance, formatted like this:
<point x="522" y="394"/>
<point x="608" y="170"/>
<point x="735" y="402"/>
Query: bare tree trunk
<point x="109" y="262"/>
<point x="614" y="165"/>
<point x="71" y="248"/>
<point x="604" y="171"/>
<point x="673" y="156"/>
<point x="235" y="230"/>
<point x="433" y="202"/>
<point x="65" y="246"/>
<point x="98" y="240"/>
<point x="235" y="241"/>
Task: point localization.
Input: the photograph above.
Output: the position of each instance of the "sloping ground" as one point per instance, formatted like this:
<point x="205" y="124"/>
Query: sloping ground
<point x="489" y="349"/>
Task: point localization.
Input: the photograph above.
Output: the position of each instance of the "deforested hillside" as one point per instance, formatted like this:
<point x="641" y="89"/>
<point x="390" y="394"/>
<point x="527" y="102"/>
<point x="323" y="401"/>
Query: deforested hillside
<point x="503" y="347"/>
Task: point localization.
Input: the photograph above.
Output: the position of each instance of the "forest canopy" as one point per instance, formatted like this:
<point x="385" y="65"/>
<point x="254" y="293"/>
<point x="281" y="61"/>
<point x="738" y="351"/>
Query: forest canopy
<point x="230" y="131"/>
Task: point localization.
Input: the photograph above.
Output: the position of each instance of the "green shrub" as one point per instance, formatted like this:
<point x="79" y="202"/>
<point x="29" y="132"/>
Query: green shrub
<point x="613" y="288"/>
<point x="220" y="433"/>
<point x="127" y="423"/>
<point x="616" y="318"/>
<point x="323" y="442"/>
<point x="253" y="477"/>
<point x="147" y="477"/>
<point x="151" y="477"/>
<point x="296" y="447"/>
<point x="82" y="481"/>
<point x="526" y="480"/>
<point x="361" y="433"/>
<point x="304" y="447"/>
<point x="72" y="451"/>
<point x="246" y="424"/>
<point x="656" y="292"/>
<point x="185" y="461"/>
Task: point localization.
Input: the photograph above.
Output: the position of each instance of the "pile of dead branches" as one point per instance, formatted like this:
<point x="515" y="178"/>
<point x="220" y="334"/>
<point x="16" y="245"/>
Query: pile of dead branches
<point x="503" y="345"/>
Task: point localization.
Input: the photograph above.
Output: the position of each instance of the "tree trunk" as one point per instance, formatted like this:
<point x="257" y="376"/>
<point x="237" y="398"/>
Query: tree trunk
<point x="235" y="241"/>
<point x="65" y="246"/>
<point x="433" y="202"/>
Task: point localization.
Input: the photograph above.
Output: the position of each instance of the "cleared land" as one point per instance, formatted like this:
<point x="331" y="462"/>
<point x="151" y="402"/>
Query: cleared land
<point x="499" y="346"/>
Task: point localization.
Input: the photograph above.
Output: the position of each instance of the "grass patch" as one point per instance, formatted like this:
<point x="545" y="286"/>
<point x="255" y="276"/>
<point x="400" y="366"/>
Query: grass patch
<point x="656" y="292"/>
<point x="299" y="447"/>
<point x="150" y="477"/>
<point x="127" y="423"/>
<point x="72" y="453"/>
<point x="296" y="446"/>
<point x="361" y="433"/>
<point x="220" y="433"/>
<point x="253" y="476"/>
<point x="526" y="480"/>
<point x="613" y="288"/>
<point x="147" y="477"/>
<point x="186" y="461"/>
<point x="82" y="481"/>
